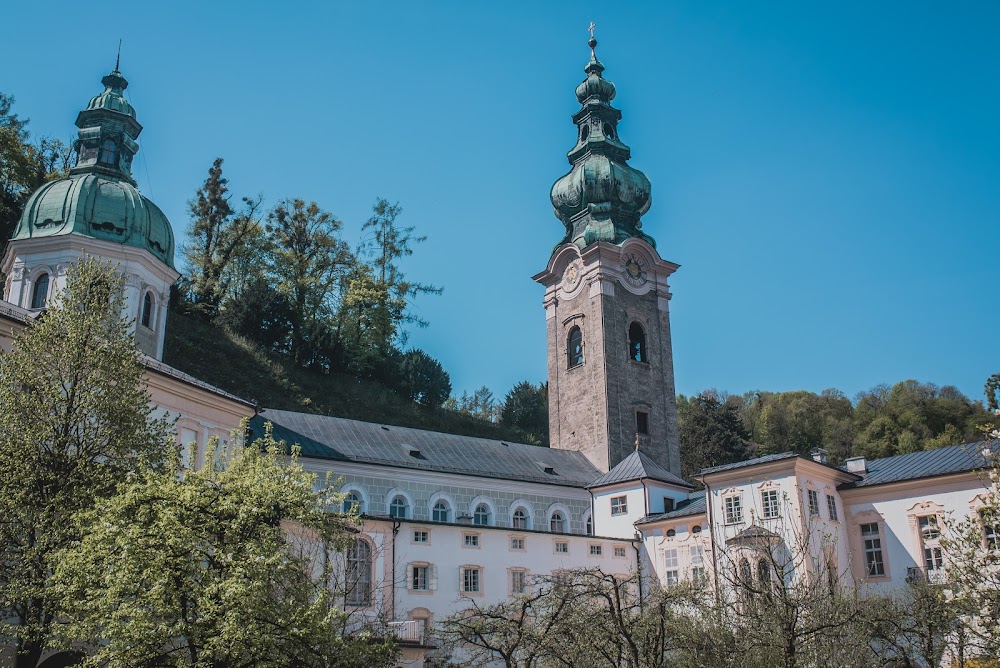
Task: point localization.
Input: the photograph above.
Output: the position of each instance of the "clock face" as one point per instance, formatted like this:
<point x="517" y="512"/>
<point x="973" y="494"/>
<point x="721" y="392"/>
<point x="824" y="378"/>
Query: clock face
<point x="571" y="276"/>
<point x="635" y="272"/>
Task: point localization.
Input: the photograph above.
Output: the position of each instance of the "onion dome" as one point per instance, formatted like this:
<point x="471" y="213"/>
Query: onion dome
<point x="99" y="198"/>
<point x="602" y="198"/>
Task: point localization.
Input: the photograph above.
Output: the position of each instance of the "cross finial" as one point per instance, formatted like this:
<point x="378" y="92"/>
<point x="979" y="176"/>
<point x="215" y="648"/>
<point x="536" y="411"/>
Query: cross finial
<point x="637" y="441"/>
<point x="118" y="59"/>
<point x="591" y="29"/>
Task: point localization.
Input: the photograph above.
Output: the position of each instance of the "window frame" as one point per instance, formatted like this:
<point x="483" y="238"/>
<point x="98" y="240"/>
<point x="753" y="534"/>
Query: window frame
<point x="812" y="497"/>
<point x="40" y="297"/>
<point x="831" y="508"/>
<point x="471" y="575"/>
<point x="732" y="508"/>
<point x="359" y="570"/>
<point x="637" y="350"/>
<point x="405" y="506"/>
<point x="146" y="311"/>
<point x="574" y="360"/>
<point x="439" y="505"/>
<point x="619" y="505"/>
<point x="767" y="496"/>
<point x="873" y="568"/>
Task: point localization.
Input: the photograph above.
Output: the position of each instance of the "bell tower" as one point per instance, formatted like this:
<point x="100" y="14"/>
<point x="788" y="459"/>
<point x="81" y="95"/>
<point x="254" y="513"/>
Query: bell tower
<point x="610" y="363"/>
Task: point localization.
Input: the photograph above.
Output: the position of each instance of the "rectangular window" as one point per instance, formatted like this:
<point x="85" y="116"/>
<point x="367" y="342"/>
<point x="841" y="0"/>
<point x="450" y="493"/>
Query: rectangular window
<point x="991" y="532"/>
<point x="671" y="578"/>
<point x="517" y="580"/>
<point x="831" y="505"/>
<point x="933" y="559"/>
<point x="619" y="551"/>
<point x="668" y="504"/>
<point x="595" y="550"/>
<point x="517" y="543"/>
<point x="929" y="527"/>
<point x="734" y="509"/>
<point x="420" y="537"/>
<point x="875" y="567"/>
<point x="642" y="422"/>
<point x="418" y="578"/>
<point x="697" y="555"/>
<point x="470" y="580"/>
<point x="562" y="547"/>
<point x="619" y="505"/>
<point x="698" y="575"/>
<point x="769" y="503"/>
<point x="670" y="559"/>
<point x="472" y="540"/>
<point x="813" y="503"/>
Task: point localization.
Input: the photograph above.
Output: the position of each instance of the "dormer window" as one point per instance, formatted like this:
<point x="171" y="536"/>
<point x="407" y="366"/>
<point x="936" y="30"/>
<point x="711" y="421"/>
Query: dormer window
<point x="40" y="292"/>
<point x="109" y="152"/>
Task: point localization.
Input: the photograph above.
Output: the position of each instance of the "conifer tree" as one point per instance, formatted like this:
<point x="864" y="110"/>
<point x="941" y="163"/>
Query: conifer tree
<point x="75" y="420"/>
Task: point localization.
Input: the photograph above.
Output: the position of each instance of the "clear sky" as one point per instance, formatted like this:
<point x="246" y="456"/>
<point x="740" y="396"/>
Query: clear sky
<point x="825" y="173"/>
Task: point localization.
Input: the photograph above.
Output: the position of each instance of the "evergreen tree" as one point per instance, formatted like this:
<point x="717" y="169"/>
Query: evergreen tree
<point x="526" y="407"/>
<point x="75" y="420"/>
<point x="423" y="379"/>
<point x="711" y="433"/>
<point x="217" y="236"/>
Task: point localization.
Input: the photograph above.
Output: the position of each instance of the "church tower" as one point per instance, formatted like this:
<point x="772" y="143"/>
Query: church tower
<point x="611" y="375"/>
<point x="97" y="211"/>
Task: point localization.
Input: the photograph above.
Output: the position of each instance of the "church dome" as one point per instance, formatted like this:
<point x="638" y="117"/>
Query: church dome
<point x="100" y="207"/>
<point x="99" y="198"/>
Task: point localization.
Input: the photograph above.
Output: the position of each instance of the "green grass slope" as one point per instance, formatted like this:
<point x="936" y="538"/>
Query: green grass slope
<point x="239" y="366"/>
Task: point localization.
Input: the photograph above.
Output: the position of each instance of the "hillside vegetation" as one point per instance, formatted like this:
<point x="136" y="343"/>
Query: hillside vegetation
<point x="244" y="368"/>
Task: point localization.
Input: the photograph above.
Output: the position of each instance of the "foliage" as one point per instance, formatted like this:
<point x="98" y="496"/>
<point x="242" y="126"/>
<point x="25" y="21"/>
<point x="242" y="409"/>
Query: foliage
<point x="219" y="566"/>
<point x="711" y="433"/>
<point x="24" y="165"/>
<point x="423" y="379"/>
<point x="308" y="261"/>
<point x="74" y="421"/>
<point x="481" y="404"/>
<point x="918" y="626"/>
<point x="218" y="236"/>
<point x="526" y="407"/>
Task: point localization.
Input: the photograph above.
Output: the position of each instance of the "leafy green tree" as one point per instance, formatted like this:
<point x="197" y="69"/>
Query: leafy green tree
<point x="24" y="166"/>
<point x="225" y="566"/>
<point x="423" y="379"/>
<point x="261" y="313"/>
<point x="526" y="407"/>
<point x="918" y="626"/>
<point x="308" y="262"/>
<point x="711" y="433"/>
<point x="385" y="244"/>
<point x="75" y="420"/>
<point x="217" y="236"/>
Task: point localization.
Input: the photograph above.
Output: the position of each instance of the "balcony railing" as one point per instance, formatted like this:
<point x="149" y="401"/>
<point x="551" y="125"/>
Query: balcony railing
<point x="411" y="630"/>
<point x="917" y="574"/>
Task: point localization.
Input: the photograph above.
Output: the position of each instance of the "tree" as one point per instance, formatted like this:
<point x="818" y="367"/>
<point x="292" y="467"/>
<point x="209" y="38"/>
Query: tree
<point x="24" y="166"/>
<point x="308" y="261"/>
<point x="423" y="379"/>
<point x="711" y="433"/>
<point x="526" y="407"/>
<point x="385" y="244"/>
<point x="216" y="237"/>
<point x="918" y="627"/>
<point x="225" y="566"/>
<point x="75" y="419"/>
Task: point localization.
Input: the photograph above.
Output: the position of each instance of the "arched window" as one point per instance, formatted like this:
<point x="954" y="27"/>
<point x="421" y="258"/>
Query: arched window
<point x="40" y="292"/>
<point x="574" y="347"/>
<point x="398" y="508"/>
<point x="359" y="573"/>
<point x="636" y="343"/>
<point x="440" y="512"/>
<point x="746" y="575"/>
<point x="557" y="524"/>
<point x="352" y="502"/>
<point x="520" y="519"/>
<point x="147" y="310"/>
<point x="764" y="575"/>
<point x="109" y="152"/>
<point x="482" y="515"/>
<point x="590" y="526"/>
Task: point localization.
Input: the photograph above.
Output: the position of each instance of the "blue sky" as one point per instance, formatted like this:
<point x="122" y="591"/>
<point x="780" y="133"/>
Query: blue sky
<point x="825" y="173"/>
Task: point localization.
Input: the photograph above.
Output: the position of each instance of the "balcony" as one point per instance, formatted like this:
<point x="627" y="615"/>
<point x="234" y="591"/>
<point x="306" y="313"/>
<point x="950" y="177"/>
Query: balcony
<point x="411" y="631"/>
<point x="934" y="576"/>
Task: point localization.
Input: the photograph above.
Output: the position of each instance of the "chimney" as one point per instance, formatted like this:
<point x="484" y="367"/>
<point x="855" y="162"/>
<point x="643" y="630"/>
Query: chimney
<point x="857" y="465"/>
<point x="819" y="455"/>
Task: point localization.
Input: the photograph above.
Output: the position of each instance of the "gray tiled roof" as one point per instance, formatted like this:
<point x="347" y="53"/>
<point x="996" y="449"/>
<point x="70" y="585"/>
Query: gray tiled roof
<point x="636" y="467"/>
<point x="346" y="440"/>
<point x="924" y="464"/>
<point x="694" y="505"/>
<point x="749" y="462"/>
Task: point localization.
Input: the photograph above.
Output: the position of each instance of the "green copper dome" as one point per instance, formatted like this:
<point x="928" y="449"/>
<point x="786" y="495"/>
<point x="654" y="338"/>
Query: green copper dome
<point x="99" y="199"/>
<point x="602" y="198"/>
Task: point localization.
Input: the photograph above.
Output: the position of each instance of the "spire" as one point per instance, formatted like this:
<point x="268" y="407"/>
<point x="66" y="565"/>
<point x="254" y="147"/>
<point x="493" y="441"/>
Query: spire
<point x="602" y="198"/>
<point x="106" y="142"/>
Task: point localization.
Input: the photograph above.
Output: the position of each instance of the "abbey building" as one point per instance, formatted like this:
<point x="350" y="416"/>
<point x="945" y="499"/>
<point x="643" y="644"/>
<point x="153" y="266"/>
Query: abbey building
<point x="449" y="519"/>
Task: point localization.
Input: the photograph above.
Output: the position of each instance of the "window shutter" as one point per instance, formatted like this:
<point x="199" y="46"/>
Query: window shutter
<point x="432" y="577"/>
